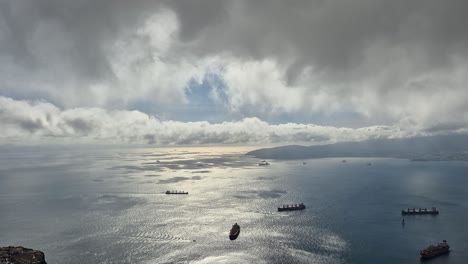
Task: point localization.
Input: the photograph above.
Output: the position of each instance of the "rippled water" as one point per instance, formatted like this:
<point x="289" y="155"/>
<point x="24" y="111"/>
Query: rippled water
<point x="109" y="206"/>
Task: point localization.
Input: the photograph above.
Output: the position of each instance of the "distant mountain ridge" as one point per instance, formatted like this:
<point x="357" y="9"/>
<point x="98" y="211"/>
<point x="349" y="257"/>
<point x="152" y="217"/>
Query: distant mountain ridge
<point x="447" y="147"/>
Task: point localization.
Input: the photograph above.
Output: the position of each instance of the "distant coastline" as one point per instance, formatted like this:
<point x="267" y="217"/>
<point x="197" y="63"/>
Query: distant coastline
<point x="430" y="148"/>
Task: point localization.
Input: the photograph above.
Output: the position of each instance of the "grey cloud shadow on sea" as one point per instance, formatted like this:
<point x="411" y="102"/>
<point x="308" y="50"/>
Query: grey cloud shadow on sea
<point x="264" y="194"/>
<point x="97" y="180"/>
<point x="179" y="179"/>
<point x="131" y="168"/>
<point x="271" y="194"/>
<point x="201" y="171"/>
<point x="152" y="175"/>
<point x="222" y="161"/>
<point x="264" y="178"/>
<point x="144" y="154"/>
<point x="124" y="182"/>
<point x="200" y="165"/>
<point x="146" y="182"/>
<point x="241" y="197"/>
<point x="129" y="176"/>
<point x="174" y="179"/>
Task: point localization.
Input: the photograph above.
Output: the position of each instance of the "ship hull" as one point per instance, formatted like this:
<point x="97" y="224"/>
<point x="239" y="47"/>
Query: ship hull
<point x="234" y="235"/>
<point x="281" y="209"/>
<point x="433" y="251"/>
<point x="420" y="213"/>
<point x="433" y="255"/>
<point x="289" y="209"/>
<point x="176" y="192"/>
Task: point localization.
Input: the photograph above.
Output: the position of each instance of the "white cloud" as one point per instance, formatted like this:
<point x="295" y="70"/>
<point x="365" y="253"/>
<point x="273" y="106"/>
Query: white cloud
<point x="140" y="63"/>
<point x="145" y="67"/>
<point x="42" y="122"/>
<point x="391" y="95"/>
<point x="262" y="87"/>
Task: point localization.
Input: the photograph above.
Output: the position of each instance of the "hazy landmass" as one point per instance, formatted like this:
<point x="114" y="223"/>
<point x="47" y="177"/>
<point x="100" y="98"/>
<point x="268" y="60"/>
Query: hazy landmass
<point x="450" y="147"/>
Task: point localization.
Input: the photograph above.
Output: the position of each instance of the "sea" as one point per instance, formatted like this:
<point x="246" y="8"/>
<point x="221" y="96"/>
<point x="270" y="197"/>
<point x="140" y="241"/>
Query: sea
<point x="108" y="205"/>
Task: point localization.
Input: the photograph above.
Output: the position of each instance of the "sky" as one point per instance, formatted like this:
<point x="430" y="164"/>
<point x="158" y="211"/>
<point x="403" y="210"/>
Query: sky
<point x="231" y="72"/>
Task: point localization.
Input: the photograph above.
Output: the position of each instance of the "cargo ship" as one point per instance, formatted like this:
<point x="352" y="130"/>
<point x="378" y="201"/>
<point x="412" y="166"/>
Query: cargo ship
<point x="420" y="211"/>
<point x="176" y="192"/>
<point x="234" y="232"/>
<point x="435" y="250"/>
<point x="292" y="207"/>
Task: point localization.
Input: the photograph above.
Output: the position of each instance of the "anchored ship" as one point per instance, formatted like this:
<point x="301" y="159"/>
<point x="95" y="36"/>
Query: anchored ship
<point x="435" y="250"/>
<point x="263" y="163"/>
<point x="292" y="207"/>
<point x="176" y="192"/>
<point x="420" y="211"/>
<point x="234" y="232"/>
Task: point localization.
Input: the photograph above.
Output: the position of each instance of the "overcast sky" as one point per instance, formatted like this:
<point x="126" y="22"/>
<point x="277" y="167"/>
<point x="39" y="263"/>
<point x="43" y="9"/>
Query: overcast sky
<point x="231" y="72"/>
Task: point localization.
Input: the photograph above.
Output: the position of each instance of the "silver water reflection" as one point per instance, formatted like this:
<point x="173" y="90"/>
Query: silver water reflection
<point x="109" y="206"/>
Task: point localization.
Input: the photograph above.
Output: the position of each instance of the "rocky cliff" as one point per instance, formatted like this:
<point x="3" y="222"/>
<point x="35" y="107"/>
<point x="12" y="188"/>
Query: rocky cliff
<point x="21" y="255"/>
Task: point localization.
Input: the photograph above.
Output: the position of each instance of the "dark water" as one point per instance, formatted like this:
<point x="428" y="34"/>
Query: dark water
<point x="108" y="206"/>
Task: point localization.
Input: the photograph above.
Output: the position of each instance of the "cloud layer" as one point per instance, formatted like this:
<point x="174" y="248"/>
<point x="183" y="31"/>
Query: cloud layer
<point x="31" y="122"/>
<point x="388" y="64"/>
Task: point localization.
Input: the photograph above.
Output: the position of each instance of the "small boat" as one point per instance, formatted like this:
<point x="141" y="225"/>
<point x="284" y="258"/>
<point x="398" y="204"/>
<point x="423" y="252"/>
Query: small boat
<point x="343" y="161"/>
<point x="420" y="211"/>
<point x="176" y="192"/>
<point x="435" y="250"/>
<point x="234" y="232"/>
<point x="292" y="207"/>
<point x="263" y="163"/>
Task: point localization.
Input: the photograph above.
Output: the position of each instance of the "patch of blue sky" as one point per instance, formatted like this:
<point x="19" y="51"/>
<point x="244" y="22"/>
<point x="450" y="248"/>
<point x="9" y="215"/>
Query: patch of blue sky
<point x="205" y="102"/>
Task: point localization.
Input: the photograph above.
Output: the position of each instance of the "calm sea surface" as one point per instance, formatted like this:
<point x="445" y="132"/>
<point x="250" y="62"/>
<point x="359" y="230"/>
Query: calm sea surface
<point x="109" y="206"/>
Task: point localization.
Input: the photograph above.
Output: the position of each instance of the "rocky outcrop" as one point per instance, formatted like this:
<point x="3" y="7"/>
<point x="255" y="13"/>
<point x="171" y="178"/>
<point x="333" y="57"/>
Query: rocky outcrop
<point x="21" y="255"/>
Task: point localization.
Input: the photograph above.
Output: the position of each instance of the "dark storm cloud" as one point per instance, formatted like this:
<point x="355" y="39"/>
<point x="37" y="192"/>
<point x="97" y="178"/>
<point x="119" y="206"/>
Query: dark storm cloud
<point x="329" y="34"/>
<point x="197" y="15"/>
<point x="88" y="26"/>
<point x="326" y="34"/>
<point x="68" y="52"/>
